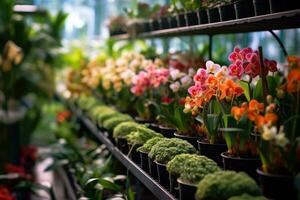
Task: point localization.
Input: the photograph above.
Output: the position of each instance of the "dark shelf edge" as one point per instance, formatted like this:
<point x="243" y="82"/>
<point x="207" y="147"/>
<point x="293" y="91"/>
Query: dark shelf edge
<point x="148" y="181"/>
<point x="275" y="21"/>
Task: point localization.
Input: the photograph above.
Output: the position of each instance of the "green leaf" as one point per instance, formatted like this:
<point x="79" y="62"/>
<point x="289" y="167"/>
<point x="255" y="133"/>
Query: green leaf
<point x="258" y="91"/>
<point x="56" y="164"/>
<point x="245" y="87"/>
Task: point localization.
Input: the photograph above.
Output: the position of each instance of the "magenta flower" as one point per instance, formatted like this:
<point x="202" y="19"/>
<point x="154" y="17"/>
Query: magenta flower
<point x="201" y="75"/>
<point x="236" y="70"/>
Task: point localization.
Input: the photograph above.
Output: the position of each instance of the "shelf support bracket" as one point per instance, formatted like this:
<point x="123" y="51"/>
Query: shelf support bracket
<point x="210" y="47"/>
<point x="279" y="42"/>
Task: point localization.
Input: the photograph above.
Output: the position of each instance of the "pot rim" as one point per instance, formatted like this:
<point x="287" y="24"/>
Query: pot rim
<point x="217" y="144"/>
<point x="179" y="180"/>
<point x="142" y="152"/>
<point x="185" y="136"/>
<point x="260" y="172"/>
<point x="166" y="127"/>
<point x="224" y="155"/>
<point x="161" y="164"/>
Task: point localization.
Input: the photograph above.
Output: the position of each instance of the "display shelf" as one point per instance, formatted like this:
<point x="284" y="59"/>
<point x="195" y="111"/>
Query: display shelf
<point x="149" y="182"/>
<point x="276" y="21"/>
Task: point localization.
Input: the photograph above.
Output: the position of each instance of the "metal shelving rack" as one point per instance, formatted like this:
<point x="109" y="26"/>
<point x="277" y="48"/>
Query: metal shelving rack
<point x="149" y="182"/>
<point x="276" y="21"/>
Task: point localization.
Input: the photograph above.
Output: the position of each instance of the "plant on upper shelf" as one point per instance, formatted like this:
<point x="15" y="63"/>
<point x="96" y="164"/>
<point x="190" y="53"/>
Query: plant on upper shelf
<point x="140" y="10"/>
<point x="222" y="185"/>
<point x="166" y="149"/>
<point x="141" y="136"/>
<point x="191" y="168"/>
<point x="116" y="25"/>
<point x="146" y="86"/>
<point x="183" y="5"/>
<point x="146" y="148"/>
<point x="209" y="4"/>
<point x="279" y="126"/>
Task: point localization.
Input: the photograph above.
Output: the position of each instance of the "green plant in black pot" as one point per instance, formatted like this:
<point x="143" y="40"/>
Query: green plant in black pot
<point x="112" y="122"/>
<point x="125" y="128"/>
<point x="146" y="148"/>
<point x="225" y="184"/>
<point x="105" y="114"/>
<point x="141" y="136"/>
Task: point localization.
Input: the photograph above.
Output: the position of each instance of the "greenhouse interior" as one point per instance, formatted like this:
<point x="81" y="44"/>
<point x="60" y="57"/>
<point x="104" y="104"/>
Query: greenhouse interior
<point x="149" y="99"/>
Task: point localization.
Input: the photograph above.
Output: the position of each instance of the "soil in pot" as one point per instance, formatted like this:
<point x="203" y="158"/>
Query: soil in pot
<point x="164" y="23"/>
<point x="122" y="145"/>
<point x="227" y="12"/>
<point x="212" y="151"/>
<point x="186" y="190"/>
<point x="248" y="165"/>
<point x="261" y="7"/>
<point x="202" y="17"/>
<point x="277" y="187"/>
<point x="172" y="21"/>
<point x="243" y="9"/>
<point x="192" y="18"/>
<point x="144" y="161"/>
<point x="163" y="175"/>
<point x="181" y="20"/>
<point x="152" y="168"/>
<point x="191" y="139"/>
<point x="213" y="15"/>
<point x="174" y="188"/>
<point x="167" y="132"/>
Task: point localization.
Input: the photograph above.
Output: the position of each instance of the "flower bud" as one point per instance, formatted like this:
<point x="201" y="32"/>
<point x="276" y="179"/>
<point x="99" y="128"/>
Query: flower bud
<point x="269" y="99"/>
<point x="280" y="93"/>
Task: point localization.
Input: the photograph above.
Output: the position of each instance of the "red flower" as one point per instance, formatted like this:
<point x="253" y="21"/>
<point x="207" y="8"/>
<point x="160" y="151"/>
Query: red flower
<point x="28" y="153"/>
<point x="63" y="116"/>
<point x="166" y="100"/>
<point x="11" y="168"/>
<point x="182" y="101"/>
<point x="5" y="194"/>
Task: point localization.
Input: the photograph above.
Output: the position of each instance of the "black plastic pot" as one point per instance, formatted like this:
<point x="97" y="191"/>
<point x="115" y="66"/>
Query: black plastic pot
<point x="248" y="165"/>
<point x="181" y="20"/>
<point x="134" y="154"/>
<point x="110" y="136"/>
<point x="144" y="161"/>
<point x="192" y="140"/>
<point x="164" y="23"/>
<point x="163" y="175"/>
<point x="261" y="7"/>
<point x="213" y="15"/>
<point x="152" y="168"/>
<point x="243" y="9"/>
<point x="202" y="17"/>
<point x="212" y="151"/>
<point x="142" y="121"/>
<point x="277" y="187"/>
<point x="192" y="18"/>
<point x="155" y="25"/>
<point x="154" y="127"/>
<point x="122" y="145"/>
<point x="172" y="21"/>
<point x="167" y="131"/>
<point x="227" y="12"/>
<point x="174" y="188"/>
<point x="186" y="191"/>
<point x="147" y="27"/>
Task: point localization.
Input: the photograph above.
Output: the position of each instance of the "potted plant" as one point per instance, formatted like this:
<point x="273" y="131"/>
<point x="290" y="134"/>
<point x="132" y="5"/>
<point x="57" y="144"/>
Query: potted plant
<point x="120" y="132"/>
<point x="137" y="138"/>
<point x="280" y="144"/>
<point x="144" y="150"/>
<point x="194" y="169"/>
<point x="116" y="25"/>
<point x="242" y="152"/>
<point x="190" y="8"/>
<point x="226" y="10"/>
<point x="164" y="151"/>
<point x="222" y="185"/>
<point x="176" y="7"/>
<point x="243" y="9"/>
<point x="212" y="10"/>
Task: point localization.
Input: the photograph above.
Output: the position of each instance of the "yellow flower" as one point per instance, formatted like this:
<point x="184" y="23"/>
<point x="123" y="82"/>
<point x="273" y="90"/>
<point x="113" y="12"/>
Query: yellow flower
<point x="269" y="133"/>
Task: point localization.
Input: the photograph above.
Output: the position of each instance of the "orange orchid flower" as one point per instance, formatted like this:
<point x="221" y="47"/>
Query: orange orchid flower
<point x="238" y="112"/>
<point x="293" y="81"/>
<point x="230" y="89"/>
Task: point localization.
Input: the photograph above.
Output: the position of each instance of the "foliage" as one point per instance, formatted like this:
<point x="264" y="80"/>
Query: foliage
<point x="166" y="149"/>
<point x="141" y="136"/>
<point x="125" y="128"/>
<point x="176" y="165"/>
<point x="112" y="122"/>
<point x="196" y="168"/>
<point x="225" y="184"/>
<point x="146" y="148"/>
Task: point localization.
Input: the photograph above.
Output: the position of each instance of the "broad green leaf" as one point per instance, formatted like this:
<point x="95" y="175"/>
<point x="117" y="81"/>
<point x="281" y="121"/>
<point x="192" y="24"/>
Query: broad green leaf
<point x="245" y="87"/>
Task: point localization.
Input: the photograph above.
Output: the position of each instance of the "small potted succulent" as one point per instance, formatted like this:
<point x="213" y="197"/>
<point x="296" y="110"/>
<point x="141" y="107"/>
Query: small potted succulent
<point x="194" y="169"/>
<point x="164" y="151"/>
<point x="136" y="139"/>
<point x="144" y="150"/>
<point x="120" y="132"/>
<point x="222" y="185"/>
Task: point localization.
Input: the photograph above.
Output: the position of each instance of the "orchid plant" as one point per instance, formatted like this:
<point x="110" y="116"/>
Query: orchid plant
<point x="146" y="87"/>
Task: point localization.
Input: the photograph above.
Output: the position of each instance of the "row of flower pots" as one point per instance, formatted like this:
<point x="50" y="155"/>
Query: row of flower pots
<point x="238" y="10"/>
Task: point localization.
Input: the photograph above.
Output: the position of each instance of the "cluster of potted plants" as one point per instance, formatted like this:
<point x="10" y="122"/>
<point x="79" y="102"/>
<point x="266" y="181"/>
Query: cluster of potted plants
<point x="240" y="116"/>
<point x="182" y="13"/>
